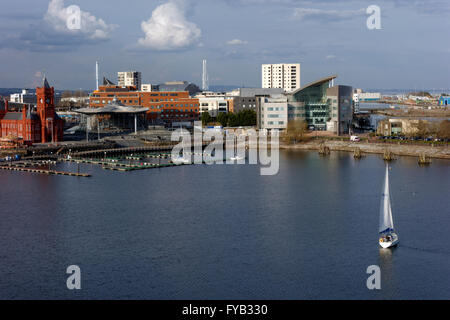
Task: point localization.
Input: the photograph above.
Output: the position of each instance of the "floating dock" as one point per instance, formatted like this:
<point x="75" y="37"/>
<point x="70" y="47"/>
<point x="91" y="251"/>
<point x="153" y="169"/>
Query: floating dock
<point x="43" y="171"/>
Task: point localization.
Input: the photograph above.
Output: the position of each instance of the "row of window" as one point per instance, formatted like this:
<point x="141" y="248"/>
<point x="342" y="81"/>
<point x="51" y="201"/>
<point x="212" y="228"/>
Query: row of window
<point x="178" y="115"/>
<point x="160" y="106"/>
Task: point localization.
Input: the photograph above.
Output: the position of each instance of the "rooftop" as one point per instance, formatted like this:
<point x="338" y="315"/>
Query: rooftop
<point x="114" y="107"/>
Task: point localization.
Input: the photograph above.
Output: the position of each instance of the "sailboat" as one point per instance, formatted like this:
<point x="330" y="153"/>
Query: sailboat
<point x="388" y="237"/>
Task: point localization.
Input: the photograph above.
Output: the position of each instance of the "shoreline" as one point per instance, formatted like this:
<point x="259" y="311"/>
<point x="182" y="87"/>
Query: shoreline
<point x="437" y="152"/>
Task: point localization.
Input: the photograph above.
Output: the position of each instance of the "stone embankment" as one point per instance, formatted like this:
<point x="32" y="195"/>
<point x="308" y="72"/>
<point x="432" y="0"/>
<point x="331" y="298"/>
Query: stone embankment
<point x="432" y="151"/>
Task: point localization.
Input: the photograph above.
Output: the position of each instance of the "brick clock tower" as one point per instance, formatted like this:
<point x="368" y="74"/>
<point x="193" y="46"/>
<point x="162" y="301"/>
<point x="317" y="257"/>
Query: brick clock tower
<point x="51" y="125"/>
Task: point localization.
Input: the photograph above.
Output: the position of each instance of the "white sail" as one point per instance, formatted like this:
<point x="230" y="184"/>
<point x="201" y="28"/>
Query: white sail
<point x="386" y="221"/>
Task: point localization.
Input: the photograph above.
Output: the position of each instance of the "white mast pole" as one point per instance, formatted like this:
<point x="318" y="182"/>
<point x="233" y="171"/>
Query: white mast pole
<point x="96" y="74"/>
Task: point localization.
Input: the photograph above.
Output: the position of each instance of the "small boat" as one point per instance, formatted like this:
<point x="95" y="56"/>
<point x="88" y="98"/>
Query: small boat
<point x="388" y="237"/>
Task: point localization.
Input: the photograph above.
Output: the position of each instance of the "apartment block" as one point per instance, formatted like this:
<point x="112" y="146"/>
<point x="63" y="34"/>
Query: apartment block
<point x="129" y="78"/>
<point x="283" y="75"/>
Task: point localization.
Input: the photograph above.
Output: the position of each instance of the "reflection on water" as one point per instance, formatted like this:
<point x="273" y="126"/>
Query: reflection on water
<point x="225" y="232"/>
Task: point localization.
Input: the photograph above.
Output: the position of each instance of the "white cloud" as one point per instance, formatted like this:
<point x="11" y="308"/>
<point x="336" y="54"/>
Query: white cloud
<point x="304" y="13"/>
<point x="91" y="27"/>
<point x="236" y="42"/>
<point x="330" y="56"/>
<point x="168" y="28"/>
<point x="52" y="32"/>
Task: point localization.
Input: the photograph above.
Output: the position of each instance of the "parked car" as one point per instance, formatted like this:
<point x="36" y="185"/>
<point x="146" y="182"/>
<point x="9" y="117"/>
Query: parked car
<point x="354" y="138"/>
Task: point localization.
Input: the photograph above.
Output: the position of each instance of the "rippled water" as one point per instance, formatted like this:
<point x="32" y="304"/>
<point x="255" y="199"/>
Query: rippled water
<point x="225" y="232"/>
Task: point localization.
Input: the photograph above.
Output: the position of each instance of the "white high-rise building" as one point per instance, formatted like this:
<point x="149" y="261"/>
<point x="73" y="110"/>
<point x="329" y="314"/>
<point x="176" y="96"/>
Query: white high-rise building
<point x="282" y="75"/>
<point x="129" y="78"/>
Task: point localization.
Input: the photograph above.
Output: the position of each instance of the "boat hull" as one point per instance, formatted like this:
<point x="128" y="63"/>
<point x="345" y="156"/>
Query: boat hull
<point x="388" y="244"/>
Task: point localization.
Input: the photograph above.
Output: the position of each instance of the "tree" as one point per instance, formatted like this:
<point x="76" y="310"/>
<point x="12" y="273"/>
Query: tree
<point x="245" y="118"/>
<point x="206" y="118"/>
<point x="233" y="120"/>
<point x="222" y="118"/>
<point x="295" y="131"/>
<point x="444" y="129"/>
<point x="422" y="129"/>
<point x="67" y="94"/>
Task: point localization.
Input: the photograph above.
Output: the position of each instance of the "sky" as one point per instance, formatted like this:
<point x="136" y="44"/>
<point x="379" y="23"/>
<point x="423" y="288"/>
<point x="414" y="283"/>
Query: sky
<point x="168" y="39"/>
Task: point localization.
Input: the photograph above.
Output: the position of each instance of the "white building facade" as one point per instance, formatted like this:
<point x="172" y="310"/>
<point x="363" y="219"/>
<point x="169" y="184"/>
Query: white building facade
<point x="213" y="104"/>
<point x="273" y="113"/>
<point x="24" y="97"/>
<point x="129" y="78"/>
<point x="369" y="96"/>
<point x="283" y="75"/>
<point x="147" y="87"/>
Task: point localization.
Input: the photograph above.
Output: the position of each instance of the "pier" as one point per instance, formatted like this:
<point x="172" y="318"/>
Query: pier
<point x="43" y="171"/>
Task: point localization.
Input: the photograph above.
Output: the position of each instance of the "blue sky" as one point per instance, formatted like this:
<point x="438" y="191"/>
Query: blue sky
<point x="167" y="40"/>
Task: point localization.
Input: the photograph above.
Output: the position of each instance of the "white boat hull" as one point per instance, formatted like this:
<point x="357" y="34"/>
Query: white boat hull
<point x="388" y="244"/>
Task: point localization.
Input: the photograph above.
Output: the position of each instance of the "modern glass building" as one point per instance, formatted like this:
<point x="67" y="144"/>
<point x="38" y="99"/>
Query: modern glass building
<point x="310" y="103"/>
<point x="322" y="105"/>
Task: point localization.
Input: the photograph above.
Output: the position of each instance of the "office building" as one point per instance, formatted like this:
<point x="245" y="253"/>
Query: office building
<point x="322" y="105"/>
<point x="247" y="98"/>
<point x="340" y="103"/>
<point x="272" y="112"/>
<point x="163" y="106"/>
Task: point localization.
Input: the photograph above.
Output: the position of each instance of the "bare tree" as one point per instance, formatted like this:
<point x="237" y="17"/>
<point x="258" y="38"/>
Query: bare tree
<point x="295" y="132"/>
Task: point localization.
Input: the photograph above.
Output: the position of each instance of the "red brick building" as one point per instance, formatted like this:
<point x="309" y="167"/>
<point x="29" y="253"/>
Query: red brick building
<point x="42" y="125"/>
<point x="170" y="106"/>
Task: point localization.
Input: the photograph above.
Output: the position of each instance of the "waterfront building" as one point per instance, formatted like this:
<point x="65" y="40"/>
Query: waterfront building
<point x="272" y="112"/>
<point x="322" y="104"/>
<point x="116" y="115"/>
<point x="33" y="125"/>
<point x="163" y="106"/>
<point x="283" y="75"/>
<point x="129" y="78"/>
<point x="339" y="99"/>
